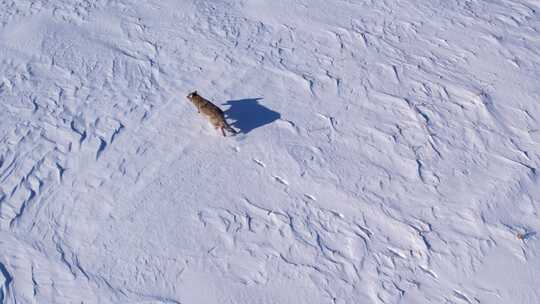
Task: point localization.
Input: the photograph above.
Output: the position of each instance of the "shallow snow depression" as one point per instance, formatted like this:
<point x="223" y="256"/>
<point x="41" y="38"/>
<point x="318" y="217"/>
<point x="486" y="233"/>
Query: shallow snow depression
<point x="389" y="152"/>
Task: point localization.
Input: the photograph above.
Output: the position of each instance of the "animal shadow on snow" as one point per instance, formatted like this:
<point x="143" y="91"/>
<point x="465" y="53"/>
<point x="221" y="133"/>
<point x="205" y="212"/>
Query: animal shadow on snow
<point x="249" y="114"/>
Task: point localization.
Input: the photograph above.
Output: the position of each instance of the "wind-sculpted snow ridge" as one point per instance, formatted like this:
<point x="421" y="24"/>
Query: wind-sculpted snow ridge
<point x="388" y="152"/>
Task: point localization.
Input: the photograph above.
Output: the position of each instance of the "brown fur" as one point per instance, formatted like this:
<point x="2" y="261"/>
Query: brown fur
<point x="214" y="114"/>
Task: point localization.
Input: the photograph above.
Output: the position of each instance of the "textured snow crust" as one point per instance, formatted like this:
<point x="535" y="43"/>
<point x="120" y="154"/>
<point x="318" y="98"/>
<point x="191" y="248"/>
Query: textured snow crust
<point x="389" y="152"/>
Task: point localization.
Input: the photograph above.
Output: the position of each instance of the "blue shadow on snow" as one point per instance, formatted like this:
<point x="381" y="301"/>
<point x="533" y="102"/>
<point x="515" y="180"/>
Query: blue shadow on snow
<point x="249" y="114"/>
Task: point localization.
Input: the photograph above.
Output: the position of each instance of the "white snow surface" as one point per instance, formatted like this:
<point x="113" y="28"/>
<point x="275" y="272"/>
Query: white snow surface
<point x="389" y="151"/>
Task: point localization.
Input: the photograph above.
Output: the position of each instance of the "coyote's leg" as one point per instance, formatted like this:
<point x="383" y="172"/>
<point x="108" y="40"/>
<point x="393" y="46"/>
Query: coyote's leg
<point x="223" y="131"/>
<point x="230" y="129"/>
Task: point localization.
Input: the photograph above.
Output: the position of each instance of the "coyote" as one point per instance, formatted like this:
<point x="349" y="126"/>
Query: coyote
<point x="213" y="112"/>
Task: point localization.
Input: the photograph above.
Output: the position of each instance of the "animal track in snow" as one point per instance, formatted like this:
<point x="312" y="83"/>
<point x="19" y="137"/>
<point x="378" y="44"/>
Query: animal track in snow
<point x="288" y="125"/>
<point x="258" y="162"/>
<point x="310" y="197"/>
<point x="281" y="180"/>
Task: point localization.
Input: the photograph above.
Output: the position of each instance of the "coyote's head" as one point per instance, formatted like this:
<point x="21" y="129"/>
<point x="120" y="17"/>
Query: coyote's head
<point x="192" y="94"/>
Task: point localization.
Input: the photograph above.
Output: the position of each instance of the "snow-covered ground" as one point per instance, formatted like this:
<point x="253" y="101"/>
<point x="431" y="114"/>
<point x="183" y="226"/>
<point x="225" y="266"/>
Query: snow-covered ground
<point x="389" y="151"/>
